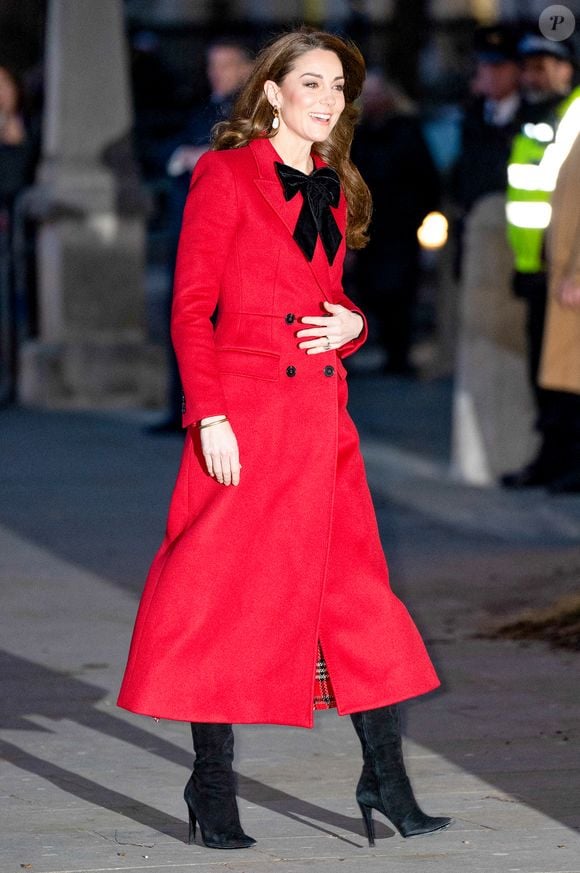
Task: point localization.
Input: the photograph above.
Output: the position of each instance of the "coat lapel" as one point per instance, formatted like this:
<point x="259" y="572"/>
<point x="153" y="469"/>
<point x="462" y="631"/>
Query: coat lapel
<point x="269" y="186"/>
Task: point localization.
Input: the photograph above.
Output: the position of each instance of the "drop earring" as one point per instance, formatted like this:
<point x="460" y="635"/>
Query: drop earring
<point x="276" y="119"/>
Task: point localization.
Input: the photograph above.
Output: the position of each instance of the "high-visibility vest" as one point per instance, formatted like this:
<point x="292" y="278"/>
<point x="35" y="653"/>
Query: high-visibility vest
<point x="538" y="151"/>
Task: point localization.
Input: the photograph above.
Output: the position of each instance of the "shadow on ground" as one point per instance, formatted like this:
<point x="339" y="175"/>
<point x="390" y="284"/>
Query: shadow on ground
<point x="94" y="490"/>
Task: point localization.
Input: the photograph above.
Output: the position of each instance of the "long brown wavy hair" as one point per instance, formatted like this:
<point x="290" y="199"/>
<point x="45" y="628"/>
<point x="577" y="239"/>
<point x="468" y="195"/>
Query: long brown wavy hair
<point x="252" y="116"/>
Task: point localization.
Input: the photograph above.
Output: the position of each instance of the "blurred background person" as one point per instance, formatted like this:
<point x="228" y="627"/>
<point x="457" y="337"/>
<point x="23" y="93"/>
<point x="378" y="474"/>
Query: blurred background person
<point x="394" y="160"/>
<point x="551" y="121"/>
<point x="490" y="120"/>
<point x="560" y="364"/>
<point x="15" y="140"/>
<point x="18" y="152"/>
<point x="229" y="64"/>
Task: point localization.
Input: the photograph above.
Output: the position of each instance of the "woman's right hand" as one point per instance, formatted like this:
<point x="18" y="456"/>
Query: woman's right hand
<point x="220" y="451"/>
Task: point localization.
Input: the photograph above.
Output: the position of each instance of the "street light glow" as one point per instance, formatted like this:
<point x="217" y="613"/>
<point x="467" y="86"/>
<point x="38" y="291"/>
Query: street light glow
<point x="433" y="232"/>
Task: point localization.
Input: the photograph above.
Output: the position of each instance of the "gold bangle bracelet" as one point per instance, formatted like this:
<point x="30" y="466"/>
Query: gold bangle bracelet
<point x="211" y="423"/>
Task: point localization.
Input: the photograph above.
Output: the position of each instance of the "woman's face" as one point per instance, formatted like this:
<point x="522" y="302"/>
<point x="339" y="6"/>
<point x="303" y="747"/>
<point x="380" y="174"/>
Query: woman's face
<point x="310" y="98"/>
<point x="8" y="93"/>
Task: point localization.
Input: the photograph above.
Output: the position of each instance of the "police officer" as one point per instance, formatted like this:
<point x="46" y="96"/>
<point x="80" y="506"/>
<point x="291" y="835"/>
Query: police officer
<point x="491" y="117"/>
<point x="550" y="125"/>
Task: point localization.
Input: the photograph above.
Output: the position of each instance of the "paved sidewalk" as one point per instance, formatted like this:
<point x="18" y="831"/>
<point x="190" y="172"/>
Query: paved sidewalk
<point x="88" y="787"/>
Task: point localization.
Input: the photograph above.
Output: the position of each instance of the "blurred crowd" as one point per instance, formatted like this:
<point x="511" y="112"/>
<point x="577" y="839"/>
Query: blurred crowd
<point x="517" y="135"/>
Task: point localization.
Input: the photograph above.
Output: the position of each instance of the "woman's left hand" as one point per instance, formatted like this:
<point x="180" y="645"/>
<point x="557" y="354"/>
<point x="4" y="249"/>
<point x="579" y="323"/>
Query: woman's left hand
<point x="331" y="331"/>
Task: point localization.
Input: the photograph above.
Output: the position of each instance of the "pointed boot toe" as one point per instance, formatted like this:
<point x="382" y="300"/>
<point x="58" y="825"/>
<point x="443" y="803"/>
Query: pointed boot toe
<point x="418" y="825"/>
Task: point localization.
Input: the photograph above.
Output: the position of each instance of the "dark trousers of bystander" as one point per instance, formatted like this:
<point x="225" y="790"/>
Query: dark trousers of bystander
<point x="558" y="418"/>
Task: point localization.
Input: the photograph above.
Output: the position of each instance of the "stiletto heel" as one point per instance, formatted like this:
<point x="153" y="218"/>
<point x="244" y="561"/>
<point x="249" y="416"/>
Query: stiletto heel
<point x="367" y="814"/>
<point x="219" y="826"/>
<point x="192" y="827"/>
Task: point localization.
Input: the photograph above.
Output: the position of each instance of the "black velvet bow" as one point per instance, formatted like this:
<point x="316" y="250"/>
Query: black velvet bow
<point x="320" y="191"/>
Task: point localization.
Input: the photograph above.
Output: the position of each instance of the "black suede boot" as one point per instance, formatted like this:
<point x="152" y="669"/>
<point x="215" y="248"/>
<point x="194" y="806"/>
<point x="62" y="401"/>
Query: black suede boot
<point x="210" y="793"/>
<point x="384" y="784"/>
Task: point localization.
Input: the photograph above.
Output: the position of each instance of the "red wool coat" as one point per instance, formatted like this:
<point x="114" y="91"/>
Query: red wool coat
<point x="249" y="578"/>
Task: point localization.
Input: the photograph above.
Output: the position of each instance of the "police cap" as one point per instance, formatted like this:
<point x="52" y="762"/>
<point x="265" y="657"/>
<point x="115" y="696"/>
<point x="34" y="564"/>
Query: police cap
<point x="496" y="44"/>
<point x="533" y="44"/>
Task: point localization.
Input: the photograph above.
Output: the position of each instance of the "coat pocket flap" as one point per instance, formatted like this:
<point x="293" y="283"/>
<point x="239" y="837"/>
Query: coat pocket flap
<point x="248" y="362"/>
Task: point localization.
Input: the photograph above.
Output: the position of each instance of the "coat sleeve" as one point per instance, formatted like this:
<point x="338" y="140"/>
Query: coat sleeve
<point x="207" y="232"/>
<point x="355" y="344"/>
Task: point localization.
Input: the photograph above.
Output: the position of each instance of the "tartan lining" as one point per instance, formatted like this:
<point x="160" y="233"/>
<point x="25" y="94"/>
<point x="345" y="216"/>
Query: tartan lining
<point x="323" y="690"/>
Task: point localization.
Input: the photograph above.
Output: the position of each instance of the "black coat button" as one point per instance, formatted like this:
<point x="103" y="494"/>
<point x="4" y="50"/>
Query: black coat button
<point x="328" y="370"/>
<point x="290" y="371"/>
<point x="290" y="318"/>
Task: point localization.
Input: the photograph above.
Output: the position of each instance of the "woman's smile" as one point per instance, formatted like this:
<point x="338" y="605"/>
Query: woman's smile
<point x="320" y="117"/>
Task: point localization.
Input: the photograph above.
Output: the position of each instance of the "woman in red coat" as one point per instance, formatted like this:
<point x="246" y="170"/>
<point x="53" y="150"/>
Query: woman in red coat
<point x="270" y="596"/>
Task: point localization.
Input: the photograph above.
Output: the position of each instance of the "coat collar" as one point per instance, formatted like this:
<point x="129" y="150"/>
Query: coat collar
<point x="267" y="182"/>
<point x="265" y="155"/>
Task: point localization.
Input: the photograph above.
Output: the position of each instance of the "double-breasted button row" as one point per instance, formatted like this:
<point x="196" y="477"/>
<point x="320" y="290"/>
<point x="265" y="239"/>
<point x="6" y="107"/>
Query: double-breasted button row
<point x="328" y="370"/>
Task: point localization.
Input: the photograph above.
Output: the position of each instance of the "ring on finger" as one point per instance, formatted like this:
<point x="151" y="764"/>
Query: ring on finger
<point x="327" y="343"/>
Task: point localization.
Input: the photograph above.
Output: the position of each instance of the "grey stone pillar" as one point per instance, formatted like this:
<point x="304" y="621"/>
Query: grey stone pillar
<point x="493" y="408"/>
<point x="91" y="349"/>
